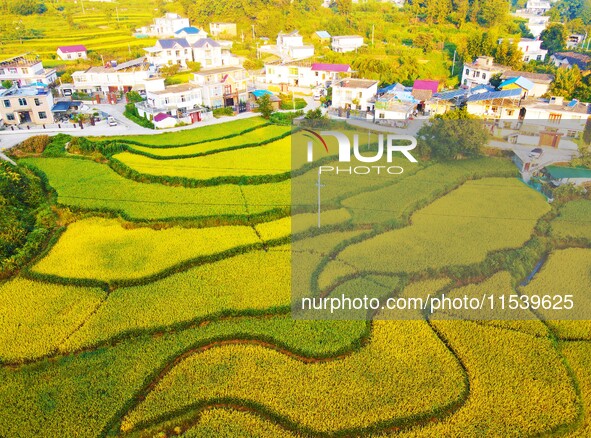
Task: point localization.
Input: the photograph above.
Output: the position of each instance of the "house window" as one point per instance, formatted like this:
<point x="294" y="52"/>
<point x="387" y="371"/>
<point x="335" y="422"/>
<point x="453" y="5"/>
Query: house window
<point x="42" y="115"/>
<point x="539" y="58"/>
<point x="2" y="71"/>
<point x="12" y="70"/>
<point x="37" y="102"/>
<point x="467" y="71"/>
<point x="168" y="52"/>
<point x="7" y="103"/>
<point x="25" y="71"/>
<point x="183" y="99"/>
<point x="526" y="58"/>
<point x="227" y="89"/>
<point x="9" y="116"/>
<point x="382" y="116"/>
<point x="293" y="71"/>
<point x="483" y="75"/>
<point x="22" y="101"/>
<point x="477" y="74"/>
<point x="166" y="100"/>
<point x="178" y="53"/>
<point x="554" y="118"/>
<point x="494" y="109"/>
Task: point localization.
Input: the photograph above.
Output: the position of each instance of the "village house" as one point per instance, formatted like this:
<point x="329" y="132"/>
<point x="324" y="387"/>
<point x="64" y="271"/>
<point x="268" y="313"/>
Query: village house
<point x="541" y="81"/>
<point x="537" y="7"/>
<point x="304" y="73"/>
<point x="164" y="26"/>
<point x="24" y="70"/>
<point x="355" y="94"/>
<point x="191" y="34"/>
<point x="394" y="104"/>
<point x="182" y="102"/>
<point x="531" y="49"/>
<point x="569" y="59"/>
<point x="293" y="73"/>
<point x="113" y="77"/>
<point x="495" y="105"/>
<point x="175" y="51"/>
<point x="574" y="40"/>
<point x="321" y="36"/>
<point x="324" y="74"/>
<point x="223" y="87"/>
<point x="346" y="43"/>
<point x="222" y="29"/>
<point x="559" y="175"/>
<point x="291" y="46"/>
<point x="28" y="104"/>
<point x="422" y="91"/>
<point x="481" y="71"/>
<point x="518" y="83"/>
<point x="68" y="53"/>
<point x="535" y="23"/>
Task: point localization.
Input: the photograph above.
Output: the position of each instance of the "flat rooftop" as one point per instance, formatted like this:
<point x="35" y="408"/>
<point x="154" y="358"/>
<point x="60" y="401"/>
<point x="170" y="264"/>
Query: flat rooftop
<point x="356" y="83"/>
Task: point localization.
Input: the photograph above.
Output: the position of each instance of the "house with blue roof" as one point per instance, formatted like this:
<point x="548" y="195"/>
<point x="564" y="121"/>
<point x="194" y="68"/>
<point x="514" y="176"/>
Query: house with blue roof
<point x="518" y="83"/>
<point x="191" y="34"/>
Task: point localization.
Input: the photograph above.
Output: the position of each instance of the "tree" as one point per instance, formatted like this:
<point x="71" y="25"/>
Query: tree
<point x="265" y="107"/>
<point x="134" y="97"/>
<point x="7" y="84"/>
<point x="169" y="70"/>
<point x="566" y="81"/>
<point x="496" y="79"/>
<point x="493" y="12"/>
<point x="554" y="37"/>
<point x="344" y="7"/>
<point x="452" y="136"/>
<point x="195" y="67"/>
<point x="424" y="41"/>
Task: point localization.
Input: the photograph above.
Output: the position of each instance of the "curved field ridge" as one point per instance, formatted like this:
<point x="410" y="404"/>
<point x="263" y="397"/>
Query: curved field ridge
<point x="187" y="137"/>
<point x="90" y="185"/>
<point x="270" y="159"/>
<point x="458" y="229"/>
<point x="403" y="373"/>
<point x="519" y="385"/>
<point x="257" y="137"/>
<point x="101" y="249"/>
<point x="566" y="272"/>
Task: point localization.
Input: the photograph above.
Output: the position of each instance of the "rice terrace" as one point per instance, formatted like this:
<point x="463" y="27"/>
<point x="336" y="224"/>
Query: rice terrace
<point x="155" y="297"/>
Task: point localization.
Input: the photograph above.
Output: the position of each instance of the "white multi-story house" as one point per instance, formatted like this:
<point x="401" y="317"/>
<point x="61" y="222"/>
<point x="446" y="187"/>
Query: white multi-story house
<point x="217" y="29"/>
<point x="165" y="26"/>
<point x="223" y="87"/>
<point x="305" y="73"/>
<point x="170" y="52"/>
<point x="209" y="53"/>
<point x="535" y="23"/>
<point x="29" y="104"/>
<point x="125" y="77"/>
<point x="480" y="71"/>
<point x="24" y="70"/>
<point x="183" y="101"/>
<point x="67" y="53"/>
<point x="531" y="49"/>
<point x="212" y="54"/>
<point x="354" y="94"/>
<point x="346" y="43"/>
<point x="538" y="7"/>
<point x="291" y="46"/>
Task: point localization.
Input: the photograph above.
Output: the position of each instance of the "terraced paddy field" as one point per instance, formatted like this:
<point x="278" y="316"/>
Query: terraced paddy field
<point x="161" y="308"/>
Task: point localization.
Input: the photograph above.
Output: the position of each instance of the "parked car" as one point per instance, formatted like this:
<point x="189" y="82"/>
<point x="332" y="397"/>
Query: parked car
<point x="536" y="153"/>
<point x="111" y="121"/>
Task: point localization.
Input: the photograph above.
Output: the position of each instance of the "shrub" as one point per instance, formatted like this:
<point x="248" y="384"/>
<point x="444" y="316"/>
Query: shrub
<point x="220" y="112"/>
<point x="132" y="114"/>
<point x="32" y="145"/>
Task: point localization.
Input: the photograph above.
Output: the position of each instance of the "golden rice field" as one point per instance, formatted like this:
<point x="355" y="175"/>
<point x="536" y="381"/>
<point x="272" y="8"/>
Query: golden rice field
<point x="161" y="309"/>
